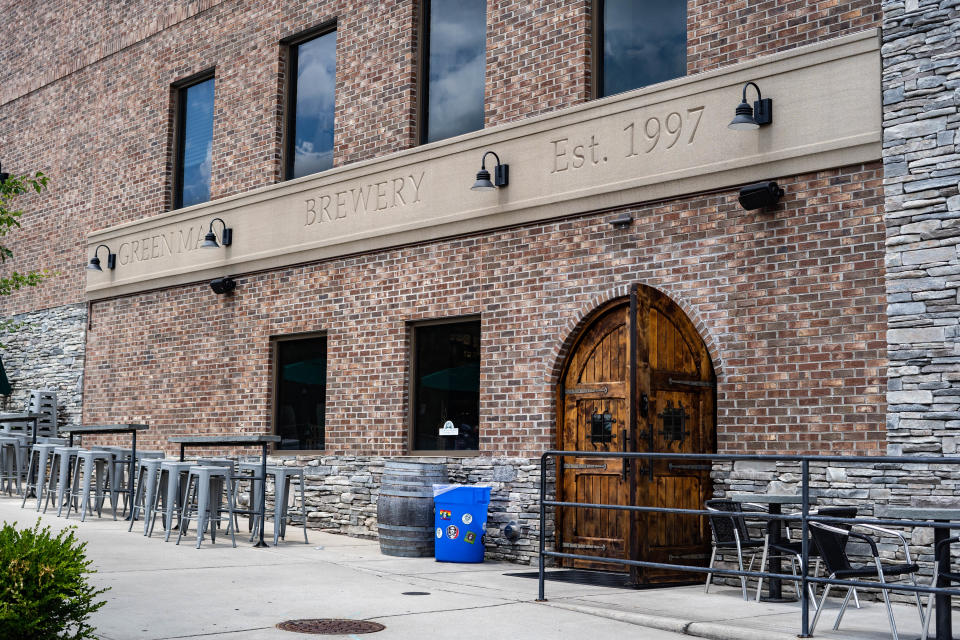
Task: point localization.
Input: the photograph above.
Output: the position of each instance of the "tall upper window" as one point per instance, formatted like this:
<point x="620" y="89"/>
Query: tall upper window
<point x="310" y="127"/>
<point x="301" y="393"/>
<point x="641" y="42"/>
<point x="194" y="143"/>
<point x="455" y="59"/>
<point x="446" y="386"/>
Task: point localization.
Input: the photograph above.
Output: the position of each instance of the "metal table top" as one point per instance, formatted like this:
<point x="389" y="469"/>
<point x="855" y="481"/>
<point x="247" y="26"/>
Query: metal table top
<point x="227" y="439"/>
<point x="772" y="498"/>
<point x="18" y="417"/>
<point x="104" y="428"/>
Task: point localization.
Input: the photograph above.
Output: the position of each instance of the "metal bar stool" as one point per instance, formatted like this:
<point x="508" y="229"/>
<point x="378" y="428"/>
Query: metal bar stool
<point x="41" y="456"/>
<point x="146" y="490"/>
<point x="202" y="481"/>
<point x="171" y="487"/>
<point x="93" y="464"/>
<point x="282" y="477"/>
<point x="60" y="465"/>
<point x="11" y="463"/>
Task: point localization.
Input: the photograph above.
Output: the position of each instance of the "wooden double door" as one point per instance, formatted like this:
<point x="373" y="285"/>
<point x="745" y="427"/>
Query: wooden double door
<point x="638" y="378"/>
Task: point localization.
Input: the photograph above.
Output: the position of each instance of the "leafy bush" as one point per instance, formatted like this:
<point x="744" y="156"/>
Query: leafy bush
<point x="44" y="593"/>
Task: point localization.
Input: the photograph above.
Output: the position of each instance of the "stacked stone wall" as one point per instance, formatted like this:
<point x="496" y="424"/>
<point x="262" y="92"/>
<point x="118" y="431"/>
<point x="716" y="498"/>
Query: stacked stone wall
<point x="342" y="492"/>
<point x="46" y="351"/>
<point x="921" y="117"/>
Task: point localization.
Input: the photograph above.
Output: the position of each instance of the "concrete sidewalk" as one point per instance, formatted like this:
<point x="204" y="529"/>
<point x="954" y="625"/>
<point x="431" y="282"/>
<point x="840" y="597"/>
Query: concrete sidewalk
<point x="163" y="591"/>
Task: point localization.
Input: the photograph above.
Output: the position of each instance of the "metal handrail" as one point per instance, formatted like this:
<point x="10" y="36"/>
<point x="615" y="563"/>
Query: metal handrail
<point x="804" y="517"/>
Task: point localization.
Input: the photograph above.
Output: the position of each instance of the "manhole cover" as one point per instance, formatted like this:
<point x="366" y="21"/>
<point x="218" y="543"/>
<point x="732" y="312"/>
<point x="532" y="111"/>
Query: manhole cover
<point x="330" y="626"/>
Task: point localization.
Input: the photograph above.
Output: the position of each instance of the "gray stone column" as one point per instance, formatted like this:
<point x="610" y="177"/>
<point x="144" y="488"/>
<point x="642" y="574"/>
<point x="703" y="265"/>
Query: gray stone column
<point x="921" y="94"/>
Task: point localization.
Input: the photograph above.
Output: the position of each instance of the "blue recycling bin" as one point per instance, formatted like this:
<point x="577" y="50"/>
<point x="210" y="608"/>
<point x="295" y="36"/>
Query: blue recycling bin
<point x="460" y="518"/>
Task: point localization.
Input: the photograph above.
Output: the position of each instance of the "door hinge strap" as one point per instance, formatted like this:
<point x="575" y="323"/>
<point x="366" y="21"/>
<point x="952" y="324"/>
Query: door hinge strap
<point x="584" y="466"/>
<point x="579" y="390"/>
<point x="573" y="545"/>
<point x="692" y="383"/>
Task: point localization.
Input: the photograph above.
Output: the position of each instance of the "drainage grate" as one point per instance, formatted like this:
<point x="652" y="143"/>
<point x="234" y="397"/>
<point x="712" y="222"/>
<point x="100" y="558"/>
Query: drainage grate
<point x="330" y="626"/>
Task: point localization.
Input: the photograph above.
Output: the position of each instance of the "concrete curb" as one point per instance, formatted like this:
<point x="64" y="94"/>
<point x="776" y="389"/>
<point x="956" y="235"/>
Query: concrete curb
<point x="711" y="630"/>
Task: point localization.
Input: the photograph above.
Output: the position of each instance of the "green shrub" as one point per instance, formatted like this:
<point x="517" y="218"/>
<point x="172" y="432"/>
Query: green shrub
<point x="44" y="593"/>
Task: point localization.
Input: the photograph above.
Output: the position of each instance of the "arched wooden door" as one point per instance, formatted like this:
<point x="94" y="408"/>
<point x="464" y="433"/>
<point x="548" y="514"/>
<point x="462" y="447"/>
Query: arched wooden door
<point x="667" y="407"/>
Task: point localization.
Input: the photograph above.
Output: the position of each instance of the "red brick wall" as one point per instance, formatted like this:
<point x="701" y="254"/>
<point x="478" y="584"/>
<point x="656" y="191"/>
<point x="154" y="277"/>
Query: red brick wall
<point x="85" y="93"/>
<point x="721" y="33"/>
<point x="791" y="304"/>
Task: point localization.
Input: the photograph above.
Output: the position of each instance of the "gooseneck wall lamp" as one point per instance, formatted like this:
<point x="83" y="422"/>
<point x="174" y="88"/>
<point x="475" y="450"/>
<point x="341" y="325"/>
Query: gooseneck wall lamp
<point x="210" y="240"/>
<point x="748" y="117"/>
<point x="500" y="175"/>
<point x="94" y="264"/>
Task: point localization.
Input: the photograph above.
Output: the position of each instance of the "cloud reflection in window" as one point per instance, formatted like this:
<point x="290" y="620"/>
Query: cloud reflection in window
<point x="456" y="67"/>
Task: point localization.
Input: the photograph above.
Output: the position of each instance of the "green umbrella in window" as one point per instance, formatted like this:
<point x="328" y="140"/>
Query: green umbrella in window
<point x="5" y="387"/>
<point x="463" y="378"/>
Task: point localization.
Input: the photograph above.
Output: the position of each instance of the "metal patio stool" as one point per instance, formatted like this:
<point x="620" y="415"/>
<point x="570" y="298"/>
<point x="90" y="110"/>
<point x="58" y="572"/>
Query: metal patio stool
<point x="202" y="481"/>
<point x="282" y="477"/>
<point x="171" y="487"/>
<point x="730" y="533"/>
<point x="119" y="483"/>
<point x="832" y="545"/>
<point x="12" y="452"/>
<point x="148" y="469"/>
<point x="41" y="456"/>
<point x="60" y="466"/>
<point x="93" y="464"/>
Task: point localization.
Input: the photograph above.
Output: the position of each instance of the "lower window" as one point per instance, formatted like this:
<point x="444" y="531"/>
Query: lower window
<point x="446" y="386"/>
<point x="301" y="393"/>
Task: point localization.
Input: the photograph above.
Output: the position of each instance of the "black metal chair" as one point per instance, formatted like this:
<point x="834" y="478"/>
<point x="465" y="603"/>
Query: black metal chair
<point x="793" y="550"/>
<point x="730" y="533"/>
<point x="831" y="544"/>
<point x="939" y="572"/>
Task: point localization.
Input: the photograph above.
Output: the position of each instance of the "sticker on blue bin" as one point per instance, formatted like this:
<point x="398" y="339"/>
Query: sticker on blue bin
<point x="445" y="514"/>
<point x="439" y="532"/>
<point x="453" y="532"/>
<point x="467" y="518"/>
<point x="470" y="538"/>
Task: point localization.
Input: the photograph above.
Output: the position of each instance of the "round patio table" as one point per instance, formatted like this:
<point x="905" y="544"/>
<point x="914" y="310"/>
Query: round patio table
<point x="952" y="516"/>
<point x="775" y="502"/>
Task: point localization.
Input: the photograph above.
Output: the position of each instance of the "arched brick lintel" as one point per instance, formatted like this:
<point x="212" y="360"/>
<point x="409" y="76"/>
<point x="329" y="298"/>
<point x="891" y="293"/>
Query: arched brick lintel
<point x="567" y="333"/>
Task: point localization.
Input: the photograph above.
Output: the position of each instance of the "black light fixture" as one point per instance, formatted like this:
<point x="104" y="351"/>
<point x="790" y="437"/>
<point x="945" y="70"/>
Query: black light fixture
<point x="748" y="117"/>
<point x="223" y="285"/>
<point x="94" y="264"/>
<point x="760" y="195"/>
<point x="500" y="175"/>
<point x="210" y="240"/>
<point x="3" y="176"/>
<point x="621" y="221"/>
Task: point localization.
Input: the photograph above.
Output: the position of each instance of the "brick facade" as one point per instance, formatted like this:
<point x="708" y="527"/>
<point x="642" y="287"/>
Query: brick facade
<point x="52" y="88"/>
<point x="791" y="304"/>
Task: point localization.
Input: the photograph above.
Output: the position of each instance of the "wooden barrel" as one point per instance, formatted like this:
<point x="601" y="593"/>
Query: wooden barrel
<point x="405" y="507"/>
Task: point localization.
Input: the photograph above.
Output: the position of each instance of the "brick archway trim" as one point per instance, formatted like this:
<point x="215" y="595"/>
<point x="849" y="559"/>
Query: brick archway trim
<point x="568" y="332"/>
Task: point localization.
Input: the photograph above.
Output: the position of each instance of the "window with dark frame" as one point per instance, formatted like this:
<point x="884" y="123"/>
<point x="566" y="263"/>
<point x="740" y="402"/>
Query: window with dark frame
<point x="194" y="141"/>
<point x="446" y="386"/>
<point x="301" y="393"/>
<point x="639" y="43"/>
<point x="311" y="102"/>
<point x="454" y="67"/>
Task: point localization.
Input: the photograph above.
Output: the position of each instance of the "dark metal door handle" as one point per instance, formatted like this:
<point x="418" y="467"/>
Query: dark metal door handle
<point x="626" y="463"/>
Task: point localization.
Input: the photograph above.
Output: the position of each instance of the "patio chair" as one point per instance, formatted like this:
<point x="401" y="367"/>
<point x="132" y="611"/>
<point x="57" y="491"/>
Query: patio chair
<point x="730" y="533"/>
<point x="793" y="550"/>
<point x="939" y="572"/>
<point x="832" y="546"/>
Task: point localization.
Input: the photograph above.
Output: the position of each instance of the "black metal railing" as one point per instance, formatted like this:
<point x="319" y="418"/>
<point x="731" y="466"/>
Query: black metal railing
<point x="804" y="518"/>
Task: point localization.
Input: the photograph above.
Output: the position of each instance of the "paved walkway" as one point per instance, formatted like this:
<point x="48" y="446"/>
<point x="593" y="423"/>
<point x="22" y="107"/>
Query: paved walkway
<point x="162" y="591"/>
